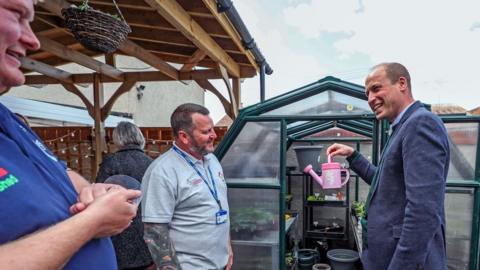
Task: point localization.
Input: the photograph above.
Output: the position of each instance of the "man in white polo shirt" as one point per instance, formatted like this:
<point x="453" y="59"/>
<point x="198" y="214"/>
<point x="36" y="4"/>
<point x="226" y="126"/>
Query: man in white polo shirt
<point x="185" y="207"/>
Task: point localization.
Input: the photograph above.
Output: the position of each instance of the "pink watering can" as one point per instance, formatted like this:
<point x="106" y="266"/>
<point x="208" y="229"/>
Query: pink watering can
<point x="331" y="174"/>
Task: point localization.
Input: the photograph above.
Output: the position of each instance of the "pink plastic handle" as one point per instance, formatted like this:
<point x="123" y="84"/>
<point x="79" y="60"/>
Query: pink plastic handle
<point x="347" y="177"/>
<point x="329" y="158"/>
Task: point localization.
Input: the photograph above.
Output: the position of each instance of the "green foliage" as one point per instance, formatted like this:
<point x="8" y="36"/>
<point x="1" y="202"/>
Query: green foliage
<point x="359" y="209"/>
<point x="313" y="198"/>
<point x="289" y="260"/>
<point x="84" y="6"/>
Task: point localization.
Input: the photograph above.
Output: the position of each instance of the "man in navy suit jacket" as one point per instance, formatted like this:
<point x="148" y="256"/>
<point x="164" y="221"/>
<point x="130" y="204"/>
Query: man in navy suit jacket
<point x="404" y="227"/>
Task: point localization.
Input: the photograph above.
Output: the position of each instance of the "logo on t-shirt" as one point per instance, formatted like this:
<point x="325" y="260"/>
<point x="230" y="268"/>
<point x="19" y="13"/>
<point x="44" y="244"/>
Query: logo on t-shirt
<point x="196" y="182"/>
<point x="45" y="151"/>
<point x="6" y="179"/>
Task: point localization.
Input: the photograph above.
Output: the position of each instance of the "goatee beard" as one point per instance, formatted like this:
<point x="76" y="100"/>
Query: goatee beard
<point x="199" y="150"/>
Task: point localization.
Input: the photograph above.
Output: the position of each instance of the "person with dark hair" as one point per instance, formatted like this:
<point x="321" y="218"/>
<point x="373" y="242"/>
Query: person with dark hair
<point x="129" y="159"/>
<point x="51" y="218"/>
<point x="185" y="207"/>
<point x="404" y="223"/>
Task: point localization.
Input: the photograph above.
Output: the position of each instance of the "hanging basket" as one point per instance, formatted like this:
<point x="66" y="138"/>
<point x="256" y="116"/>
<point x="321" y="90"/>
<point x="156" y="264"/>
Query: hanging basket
<point x="96" y="30"/>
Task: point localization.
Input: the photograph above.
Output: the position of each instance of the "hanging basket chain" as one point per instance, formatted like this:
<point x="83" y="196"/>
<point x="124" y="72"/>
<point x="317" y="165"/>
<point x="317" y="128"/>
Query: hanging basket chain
<point x="118" y="9"/>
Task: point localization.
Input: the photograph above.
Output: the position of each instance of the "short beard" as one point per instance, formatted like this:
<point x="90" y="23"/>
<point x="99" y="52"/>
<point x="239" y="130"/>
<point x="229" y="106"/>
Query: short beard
<point x="195" y="148"/>
<point x="199" y="150"/>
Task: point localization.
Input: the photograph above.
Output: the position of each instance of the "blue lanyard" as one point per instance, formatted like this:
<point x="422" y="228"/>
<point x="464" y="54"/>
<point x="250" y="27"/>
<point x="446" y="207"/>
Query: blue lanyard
<point x="213" y="190"/>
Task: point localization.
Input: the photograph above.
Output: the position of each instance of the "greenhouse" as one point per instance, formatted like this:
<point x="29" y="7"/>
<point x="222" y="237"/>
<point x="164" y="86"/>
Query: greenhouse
<point x="277" y="211"/>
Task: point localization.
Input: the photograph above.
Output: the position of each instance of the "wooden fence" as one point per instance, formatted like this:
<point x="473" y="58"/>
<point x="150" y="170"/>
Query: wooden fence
<point x="75" y="145"/>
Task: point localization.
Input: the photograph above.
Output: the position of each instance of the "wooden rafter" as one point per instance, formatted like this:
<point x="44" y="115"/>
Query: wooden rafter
<point x="144" y="76"/>
<point x="54" y="6"/>
<point x="124" y="88"/>
<point x="64" y="52"/>
<point x="177" y="16"/>
<point x="227" y="106"/>
<point x="133" y="49"/>
<point x="73" y="89"/>
<point x="227" y="26"/>
<point x="47" y="70"/>
<point x="226" y="80"/>
<point x="197" y="56"/>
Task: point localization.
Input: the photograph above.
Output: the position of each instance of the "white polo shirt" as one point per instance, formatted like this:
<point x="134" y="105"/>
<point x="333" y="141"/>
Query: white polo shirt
<point x="174" y="193"/>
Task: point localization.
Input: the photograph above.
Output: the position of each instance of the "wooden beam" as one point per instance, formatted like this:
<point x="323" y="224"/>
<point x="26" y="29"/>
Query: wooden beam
<point x="143" y="76"/>
<point x="54" y="6"/>
<point x="48" y="20"/>
<point x="177" y="16"/>
<point x="110" y="59"/>
<point x="124" y="88"/>
<point x="227" y="106"/>
<point x="237" y="92"/>
<point x="233" y="102"/>
<point x="100" y="143"/>
<point x="73" y="89"/>
<point x="231" y="31"/>
<point x="40" y="55"/>
<point x="130" y="4"/>
<point x="53" y="33"/>
<point x="47" y="70"/>
<point x="66" y="53"/>
<point x="133" y="49"/>
<point x="197" y="56"/>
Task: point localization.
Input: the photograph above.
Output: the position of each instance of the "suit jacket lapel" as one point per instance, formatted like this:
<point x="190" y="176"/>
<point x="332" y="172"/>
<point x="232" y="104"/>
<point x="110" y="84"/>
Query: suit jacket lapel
<point x="416" y="105"/>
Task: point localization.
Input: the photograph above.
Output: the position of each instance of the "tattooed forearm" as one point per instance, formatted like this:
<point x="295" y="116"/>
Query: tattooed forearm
<point x="158" y="242"/>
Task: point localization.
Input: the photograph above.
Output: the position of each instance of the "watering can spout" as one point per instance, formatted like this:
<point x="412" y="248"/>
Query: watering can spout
<point x="314" y="175"/>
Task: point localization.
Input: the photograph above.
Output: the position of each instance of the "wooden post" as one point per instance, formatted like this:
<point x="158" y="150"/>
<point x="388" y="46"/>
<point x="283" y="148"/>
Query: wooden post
<point x="100" y="143"/>
<point x="237" y="93"/>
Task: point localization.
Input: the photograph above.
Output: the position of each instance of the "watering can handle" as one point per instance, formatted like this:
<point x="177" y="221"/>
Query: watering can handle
<point x="347" y="177"/>
<point x="329" y="158"/>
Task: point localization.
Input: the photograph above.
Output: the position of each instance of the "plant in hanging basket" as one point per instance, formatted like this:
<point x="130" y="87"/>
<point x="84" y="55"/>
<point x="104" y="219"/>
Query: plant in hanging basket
<point x="96" y="30"/>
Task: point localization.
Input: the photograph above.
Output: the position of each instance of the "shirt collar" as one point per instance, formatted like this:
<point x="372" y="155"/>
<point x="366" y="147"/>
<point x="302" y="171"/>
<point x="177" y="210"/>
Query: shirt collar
<point x="399" y="117"/>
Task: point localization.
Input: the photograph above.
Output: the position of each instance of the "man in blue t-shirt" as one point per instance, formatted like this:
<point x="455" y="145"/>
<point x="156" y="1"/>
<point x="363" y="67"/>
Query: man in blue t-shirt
<point x="51" y="218"/>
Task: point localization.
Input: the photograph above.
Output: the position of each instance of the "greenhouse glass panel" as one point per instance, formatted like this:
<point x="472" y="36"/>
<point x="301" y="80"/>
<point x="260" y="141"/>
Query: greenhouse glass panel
<point x="297" y="123"/>
<point x="463" y="139"/>
<point x="326" y="103"/>
<point x="254" y="227"/>
<point x="254" y="156"/>
<point x="459" y="226"/>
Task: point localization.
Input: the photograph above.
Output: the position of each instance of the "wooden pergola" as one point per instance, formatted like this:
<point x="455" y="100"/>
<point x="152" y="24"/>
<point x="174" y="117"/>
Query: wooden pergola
<point x="192" y="33"/>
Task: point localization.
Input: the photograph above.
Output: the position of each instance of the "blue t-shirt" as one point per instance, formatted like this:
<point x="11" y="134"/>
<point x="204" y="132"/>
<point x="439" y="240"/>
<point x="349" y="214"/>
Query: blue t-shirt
<point x="36" y="192"/>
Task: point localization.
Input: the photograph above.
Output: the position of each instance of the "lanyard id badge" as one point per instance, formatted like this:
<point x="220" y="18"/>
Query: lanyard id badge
<point x="221" y="216"/>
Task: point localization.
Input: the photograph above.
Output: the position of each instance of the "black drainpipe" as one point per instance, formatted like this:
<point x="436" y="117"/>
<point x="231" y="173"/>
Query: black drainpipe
<point x="262" y="82"/>
<point x="247" y="40"/>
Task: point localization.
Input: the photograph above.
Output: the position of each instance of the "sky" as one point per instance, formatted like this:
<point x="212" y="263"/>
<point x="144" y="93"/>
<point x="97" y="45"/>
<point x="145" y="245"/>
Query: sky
<point x="305" y="40"/>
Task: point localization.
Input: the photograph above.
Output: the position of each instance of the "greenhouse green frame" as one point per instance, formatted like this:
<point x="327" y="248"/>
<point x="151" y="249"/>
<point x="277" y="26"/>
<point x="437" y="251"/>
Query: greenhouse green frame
<point x="361" y="123"/>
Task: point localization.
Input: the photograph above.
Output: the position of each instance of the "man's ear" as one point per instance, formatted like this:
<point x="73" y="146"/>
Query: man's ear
<point x="183" y="137"/>
<point x="402" y="83"/>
